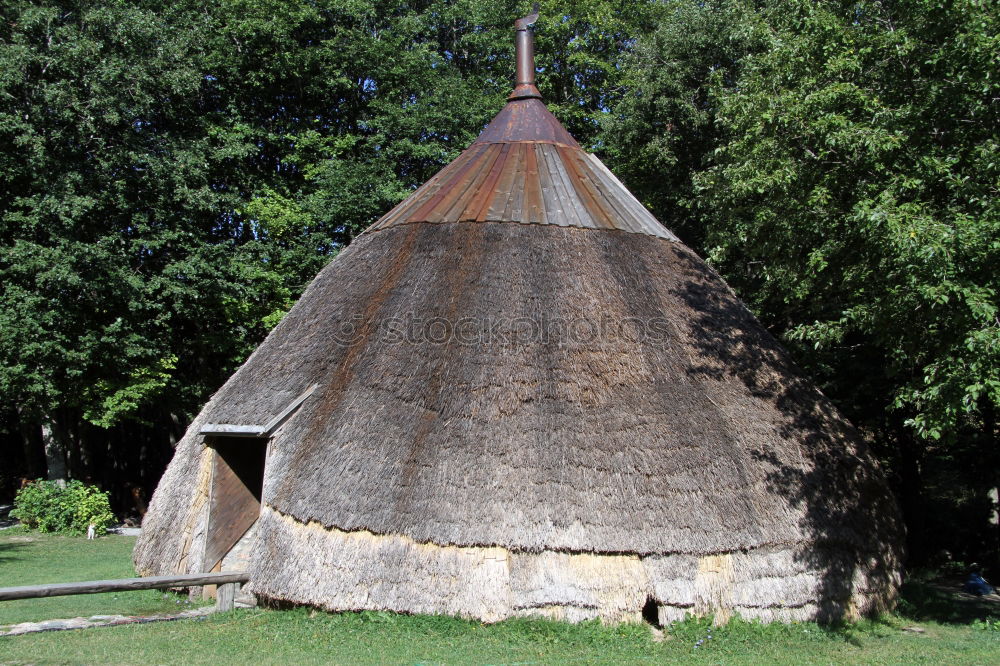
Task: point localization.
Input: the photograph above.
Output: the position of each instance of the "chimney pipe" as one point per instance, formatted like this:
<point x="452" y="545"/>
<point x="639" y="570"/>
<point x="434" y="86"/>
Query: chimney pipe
<point x="524" y="47"/>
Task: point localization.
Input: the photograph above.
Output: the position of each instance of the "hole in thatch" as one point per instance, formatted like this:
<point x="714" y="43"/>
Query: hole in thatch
<point x="651" y="612"/>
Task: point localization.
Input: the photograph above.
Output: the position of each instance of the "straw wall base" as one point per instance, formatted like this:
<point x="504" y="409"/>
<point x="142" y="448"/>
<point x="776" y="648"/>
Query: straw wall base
<point x="337" y="570"/>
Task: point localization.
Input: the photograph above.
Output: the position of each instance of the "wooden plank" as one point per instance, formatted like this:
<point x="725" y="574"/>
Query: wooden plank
<point x="584" y="190"/>
<point x="532" y="206"/>
<point x="273" y="424"/>
<point x="480" y="204"/>
<point x="556" y="197"/>
<point x="614" y="189"/>
<point x="630" y="213"/>
<point x="439" y="207"/>
<point x="231" y="430"/>
<point x="550" y="200"/>
<point x="208" y="591"/>
<point x="505" y="189"/>
<point x="266" y="430"/>
<point x="406" y="211"/>
<point x="512" y="211"/>
<point x="623" y="218"/>
<point x="121" y="584"/>
<point x="574" y="210"/>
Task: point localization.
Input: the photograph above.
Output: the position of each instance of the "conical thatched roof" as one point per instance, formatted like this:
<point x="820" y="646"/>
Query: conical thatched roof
<point x="517" y="393"/>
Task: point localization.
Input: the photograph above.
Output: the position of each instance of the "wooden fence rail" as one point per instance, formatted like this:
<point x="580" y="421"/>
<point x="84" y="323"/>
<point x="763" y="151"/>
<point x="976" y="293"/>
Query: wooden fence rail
<point x="227" y="581"/>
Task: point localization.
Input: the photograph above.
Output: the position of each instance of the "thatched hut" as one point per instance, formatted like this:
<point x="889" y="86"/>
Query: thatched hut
<point x="529" y="399"/>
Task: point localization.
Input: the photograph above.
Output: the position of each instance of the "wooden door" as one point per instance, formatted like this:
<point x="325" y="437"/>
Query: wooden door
<point x="237" y="482"/>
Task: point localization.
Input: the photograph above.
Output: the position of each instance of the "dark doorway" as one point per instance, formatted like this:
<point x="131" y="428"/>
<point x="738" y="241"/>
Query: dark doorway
<point x="651" y="613"/>
<point x="237" y="483"/>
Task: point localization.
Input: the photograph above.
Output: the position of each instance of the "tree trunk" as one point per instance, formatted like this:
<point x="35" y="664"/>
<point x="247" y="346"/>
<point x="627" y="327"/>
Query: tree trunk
<point x="994" y="495"/>
<point x="34" y="448"/>
<point x="55" y="451"/>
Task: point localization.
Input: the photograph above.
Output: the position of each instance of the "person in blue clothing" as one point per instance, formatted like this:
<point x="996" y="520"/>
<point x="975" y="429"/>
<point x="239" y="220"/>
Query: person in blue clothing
<point x="976" y="584"/>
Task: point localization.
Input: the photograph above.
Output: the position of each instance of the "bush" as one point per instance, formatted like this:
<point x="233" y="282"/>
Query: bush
<point x="50" y="507"/>
<point x="989" y="624"/>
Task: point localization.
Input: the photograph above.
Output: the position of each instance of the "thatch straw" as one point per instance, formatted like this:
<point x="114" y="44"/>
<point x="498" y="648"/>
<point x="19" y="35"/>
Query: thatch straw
<point x="679" y="448"/>
<point x="532" y="400"/>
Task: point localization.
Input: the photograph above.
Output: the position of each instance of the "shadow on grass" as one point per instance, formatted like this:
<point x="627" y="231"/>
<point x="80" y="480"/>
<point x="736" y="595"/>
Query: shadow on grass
<point x="8" y="550"/>
<point x="940" y="599"/>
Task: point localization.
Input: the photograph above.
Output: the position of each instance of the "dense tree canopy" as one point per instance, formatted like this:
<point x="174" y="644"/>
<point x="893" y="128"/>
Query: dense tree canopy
<point x="855" y="200"/>
<point x="173" y="175"/>
<point x="837" y="162"/>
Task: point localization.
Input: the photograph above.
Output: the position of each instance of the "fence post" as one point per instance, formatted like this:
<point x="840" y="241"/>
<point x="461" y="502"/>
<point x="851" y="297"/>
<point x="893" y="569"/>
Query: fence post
<point x="225" y="596"/>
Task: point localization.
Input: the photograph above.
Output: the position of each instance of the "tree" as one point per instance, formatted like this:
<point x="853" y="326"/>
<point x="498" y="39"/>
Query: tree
<point x="663" y="130"/>
<point x="174" y="175"/>
<point x="125" y="275"/>
<point x="847" y="189"/>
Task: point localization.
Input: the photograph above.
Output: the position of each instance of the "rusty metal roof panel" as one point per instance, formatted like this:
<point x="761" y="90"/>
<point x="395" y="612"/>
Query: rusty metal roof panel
<point x="526" y="168"/>
<point x="529" y="183"/>
<point x="526" y="120"/>
<point x="636" y="212"/>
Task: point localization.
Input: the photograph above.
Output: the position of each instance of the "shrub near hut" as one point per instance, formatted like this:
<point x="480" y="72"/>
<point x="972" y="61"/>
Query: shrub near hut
<point x="51" y="507"/>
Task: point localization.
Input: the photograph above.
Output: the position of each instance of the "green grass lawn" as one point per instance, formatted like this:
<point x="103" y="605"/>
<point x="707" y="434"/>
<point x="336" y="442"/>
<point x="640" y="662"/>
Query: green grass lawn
<point x="951" y="635"/>
<point x="28" y="558"/>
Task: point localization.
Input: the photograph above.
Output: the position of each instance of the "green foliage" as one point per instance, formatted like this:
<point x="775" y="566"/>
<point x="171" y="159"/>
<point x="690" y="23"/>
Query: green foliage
<point x="174" y="175"/>
<point x="111" y="250"/>
<point x="38" y="506"/>
<point x="144" y="382"/>
<point x="855" y="200"/>
<point x="989" y="624"/>
<point x="836" y="162"/>
<point x="663" y="129"/>
<point x="52" y="507"/>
